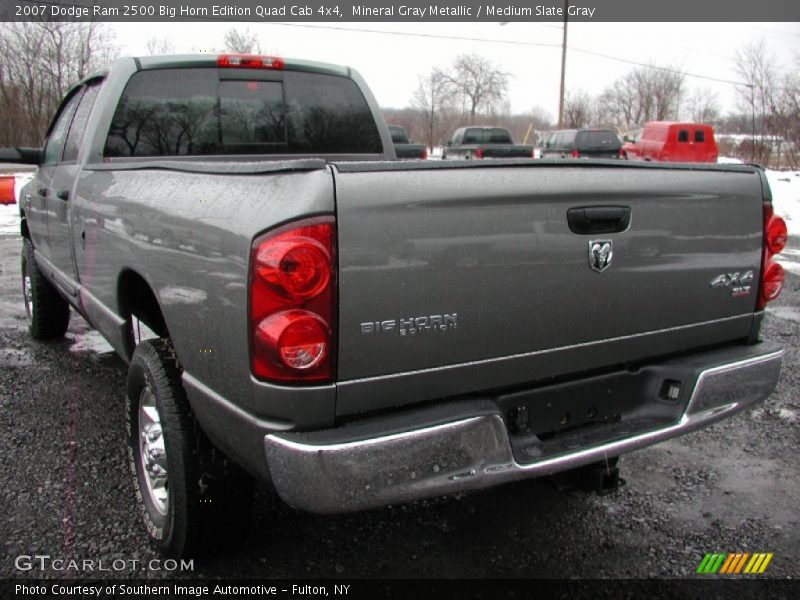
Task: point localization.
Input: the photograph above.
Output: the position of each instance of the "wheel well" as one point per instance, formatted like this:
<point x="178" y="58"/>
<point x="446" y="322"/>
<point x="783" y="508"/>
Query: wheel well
<point x="136" y="299"/>
<point x="24" y="232"/>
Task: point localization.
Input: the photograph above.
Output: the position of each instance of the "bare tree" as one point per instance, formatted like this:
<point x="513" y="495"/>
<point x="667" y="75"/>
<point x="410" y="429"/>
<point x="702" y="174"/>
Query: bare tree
<point x="242" y="42"/>
<point x="39" y="61"/>
<point x="651" y="93"/>
<point x="478" y="83"/>
<point x="703" y="107"/>
<point x="431" y="100"/>
<point x="667" y="93"/>
<point x="618" y="105"/>
<point x="162" y="45"/>
<point x="786" y="119"/>
<point x="578" y="109"/>
<point x="755" y="66"/>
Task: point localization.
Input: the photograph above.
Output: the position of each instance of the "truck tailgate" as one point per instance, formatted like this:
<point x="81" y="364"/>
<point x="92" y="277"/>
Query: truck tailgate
<point x="455" y="286"/>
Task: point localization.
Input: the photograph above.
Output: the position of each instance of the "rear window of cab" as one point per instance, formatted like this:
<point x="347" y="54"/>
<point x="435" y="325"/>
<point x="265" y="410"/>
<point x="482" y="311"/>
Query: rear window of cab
<point x="194" y="112"/>
<point x="597" y="140"/>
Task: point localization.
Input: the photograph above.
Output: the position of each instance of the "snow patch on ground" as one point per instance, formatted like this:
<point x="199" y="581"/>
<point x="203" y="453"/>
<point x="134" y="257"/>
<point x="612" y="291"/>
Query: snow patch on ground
<point x="9" y="213"/>
<point x="785" y="186"/>
<point x="9" y="219"/>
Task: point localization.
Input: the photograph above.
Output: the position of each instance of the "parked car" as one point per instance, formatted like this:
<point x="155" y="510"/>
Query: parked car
<point x="403" y="147"/>
<point x="671" y="141"/>
<point x="483" y="142"/>
<point x="355" y="331"/>
<point x="582" y="143"/>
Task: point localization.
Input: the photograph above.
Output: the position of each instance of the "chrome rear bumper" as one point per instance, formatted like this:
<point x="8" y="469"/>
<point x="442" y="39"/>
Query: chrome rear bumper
<point x="331" y="472"/>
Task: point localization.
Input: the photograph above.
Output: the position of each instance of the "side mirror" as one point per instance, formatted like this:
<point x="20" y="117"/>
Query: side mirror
<point x="25" y="156"/>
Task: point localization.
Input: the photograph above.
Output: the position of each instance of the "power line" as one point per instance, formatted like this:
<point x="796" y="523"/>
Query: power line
<point x="510" y="42"/>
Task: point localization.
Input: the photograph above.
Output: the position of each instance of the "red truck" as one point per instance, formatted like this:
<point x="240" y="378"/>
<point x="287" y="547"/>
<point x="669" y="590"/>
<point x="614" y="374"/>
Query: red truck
<point x="668" y="141"/>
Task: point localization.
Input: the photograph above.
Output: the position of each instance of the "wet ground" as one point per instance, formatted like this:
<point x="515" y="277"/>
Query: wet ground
<point x="65" y="489"/>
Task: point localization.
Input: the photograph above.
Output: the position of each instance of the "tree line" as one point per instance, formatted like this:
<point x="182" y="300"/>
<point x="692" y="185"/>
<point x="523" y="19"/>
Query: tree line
<point x="765" y="128"/>
<point x="40" y="60"/>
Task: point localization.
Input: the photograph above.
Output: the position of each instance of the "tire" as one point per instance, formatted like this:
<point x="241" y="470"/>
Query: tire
<point x="47" y="312"/>
<point x="191" y="497"/>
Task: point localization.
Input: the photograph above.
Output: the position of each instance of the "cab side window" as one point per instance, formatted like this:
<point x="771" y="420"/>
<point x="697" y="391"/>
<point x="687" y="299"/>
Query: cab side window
<point x="58" y="132"/>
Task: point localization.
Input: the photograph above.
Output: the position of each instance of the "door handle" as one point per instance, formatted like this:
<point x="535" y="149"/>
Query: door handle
<point x="598" y="219"/>
<point x="63" y="195"/>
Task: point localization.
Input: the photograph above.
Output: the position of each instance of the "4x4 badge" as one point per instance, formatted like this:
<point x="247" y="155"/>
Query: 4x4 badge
<point x="600" y="254"/>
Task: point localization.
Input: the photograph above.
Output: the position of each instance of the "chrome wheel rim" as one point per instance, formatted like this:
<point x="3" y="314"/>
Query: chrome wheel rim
<point x="27" y="296"/>
<point x="152" y="452"/>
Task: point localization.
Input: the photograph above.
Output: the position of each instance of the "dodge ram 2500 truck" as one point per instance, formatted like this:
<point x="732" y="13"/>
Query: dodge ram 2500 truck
<point x="483" y="142"/>
<point x="357" y="331"/>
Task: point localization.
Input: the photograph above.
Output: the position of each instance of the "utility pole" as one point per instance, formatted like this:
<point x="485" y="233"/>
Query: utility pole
<point x="563" y="71"/>
<point x="753" y="138"/>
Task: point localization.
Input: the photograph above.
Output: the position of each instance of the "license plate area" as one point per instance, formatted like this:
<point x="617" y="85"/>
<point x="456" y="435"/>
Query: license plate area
<point x="561" y="417"/>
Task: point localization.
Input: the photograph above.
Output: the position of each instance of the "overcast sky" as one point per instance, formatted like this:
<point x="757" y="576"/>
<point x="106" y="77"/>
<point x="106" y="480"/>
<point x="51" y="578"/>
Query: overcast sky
<point x="532" y="53"/>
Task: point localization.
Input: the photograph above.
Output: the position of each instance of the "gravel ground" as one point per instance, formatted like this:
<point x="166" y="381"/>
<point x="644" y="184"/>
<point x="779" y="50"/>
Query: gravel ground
<point x="65" y="489"/>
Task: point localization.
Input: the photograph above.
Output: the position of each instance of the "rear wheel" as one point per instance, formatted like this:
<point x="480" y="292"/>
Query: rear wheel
<point x="191" y="497"/>
<point x="47" y="312"/>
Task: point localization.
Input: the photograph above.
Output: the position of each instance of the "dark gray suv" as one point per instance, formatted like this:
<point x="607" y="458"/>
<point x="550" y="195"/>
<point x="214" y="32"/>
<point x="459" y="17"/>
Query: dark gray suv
<point x="582" y="143"/>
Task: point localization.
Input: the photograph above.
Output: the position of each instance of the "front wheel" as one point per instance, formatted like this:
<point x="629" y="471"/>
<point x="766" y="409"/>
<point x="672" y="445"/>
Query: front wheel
<point x="47" y="312"/>
<point x="190" y="496"/>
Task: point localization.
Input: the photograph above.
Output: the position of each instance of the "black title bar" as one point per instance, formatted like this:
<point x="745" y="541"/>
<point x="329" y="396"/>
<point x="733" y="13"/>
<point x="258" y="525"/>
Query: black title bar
<point x="401" y="10"/>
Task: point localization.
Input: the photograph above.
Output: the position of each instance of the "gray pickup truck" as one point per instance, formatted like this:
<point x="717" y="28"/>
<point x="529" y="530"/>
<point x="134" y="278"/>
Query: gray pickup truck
<point x="403" y="147"/>
<point x="356" y="331"/>
<point x="483" y="142"/>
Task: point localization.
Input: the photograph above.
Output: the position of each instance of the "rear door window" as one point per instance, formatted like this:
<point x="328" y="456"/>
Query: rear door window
<point x="699" y="135"/>
<point x="75" y="135"/>
<point x="190" y="112"/>
<point x="58" y="132"/>
<point x="683" y="135"/>
<point x="597" y="140"/>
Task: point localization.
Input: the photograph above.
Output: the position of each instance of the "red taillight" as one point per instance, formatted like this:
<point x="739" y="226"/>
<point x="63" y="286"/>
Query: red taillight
<point x="772" y="275"/>
<point x="424" y="155"/>
<point x="292" y="285"/>
<point x="775" y="234"/>
<point x="478" y="153"/>
<point x="293" y="339"/>
<point x="575" y="154"/>
<point x="771" y="283"/>
<point x="296" y="267"/>
<point x="249" y="61"/>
